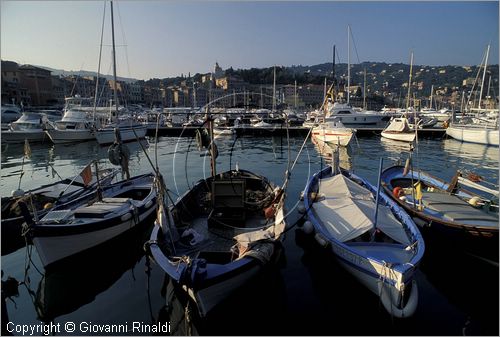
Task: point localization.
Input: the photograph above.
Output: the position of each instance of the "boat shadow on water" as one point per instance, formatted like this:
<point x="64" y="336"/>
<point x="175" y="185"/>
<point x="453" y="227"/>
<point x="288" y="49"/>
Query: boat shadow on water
<point x="444" y="283"/>
<point x="250" y="310"/>
<point x="468" y="282"/>
<point x="341" y="297"/>
<point x="76" y="282"/>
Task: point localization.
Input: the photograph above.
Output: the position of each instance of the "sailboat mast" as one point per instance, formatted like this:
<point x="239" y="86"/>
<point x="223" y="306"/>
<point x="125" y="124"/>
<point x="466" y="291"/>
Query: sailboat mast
<point x="432" y="91"/>
<point x="333" y="65"/>
<point x="364" y="90"/>
<point x="295" y="94"/>
<point x="274" y="89"/>
<point x="114" y="62"/>
<point x="99" y="65"/>
<point x="484" y="76"/>
<point x="348" y="61"/>
<point x="409" y="84"/>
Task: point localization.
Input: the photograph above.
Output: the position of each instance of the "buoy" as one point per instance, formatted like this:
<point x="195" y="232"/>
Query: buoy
<point x="474" y="201"/>
<point x="269" y="212"/>
<point x="308" y="227"/>
<point x="397" y="191"/>
<point x="301" y="208"/>
<point x="17" y="193"/>
<point x="320" y="240"/>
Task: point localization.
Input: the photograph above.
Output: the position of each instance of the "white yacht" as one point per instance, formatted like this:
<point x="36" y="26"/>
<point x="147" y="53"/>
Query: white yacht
<point x="75" y="126"/>
<point x="355" y="118"/>
<point x="30" y="126"/>
<point x="10" y="113"/>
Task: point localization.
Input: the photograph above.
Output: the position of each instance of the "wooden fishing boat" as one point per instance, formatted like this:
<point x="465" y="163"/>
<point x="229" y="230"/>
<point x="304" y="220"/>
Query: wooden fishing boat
<point x="59" y="195"/>
<point x="219" y="234"/>
<point x="456" y="215"/>
<point x="383" y="255"/>
<point x="63" y="233"/>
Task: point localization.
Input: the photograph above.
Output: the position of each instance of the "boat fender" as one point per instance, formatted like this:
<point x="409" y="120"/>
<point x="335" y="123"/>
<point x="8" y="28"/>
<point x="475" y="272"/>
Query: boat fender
<point x="407" y="310"/>
<point x="321" y="240"/>
<point x="117" y="153"/>
<point x="17" y="193"/>
<point x="397" y="192"/>
<point x="198" y="271"/>
<point x="48" y="205"/>
<point x="269" y="212"/>
<point x="474" y="201"/>
<point x="125" y="217"/>
<point x="308" y="227"/>
<point x="301" y="208"/>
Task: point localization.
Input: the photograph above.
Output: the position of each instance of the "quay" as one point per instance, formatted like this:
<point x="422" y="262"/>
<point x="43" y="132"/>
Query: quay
<point x="280" y="130"/>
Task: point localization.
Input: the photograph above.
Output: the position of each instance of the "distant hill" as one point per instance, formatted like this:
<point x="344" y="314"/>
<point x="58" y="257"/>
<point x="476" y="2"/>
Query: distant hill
<point x="58" y="72"/>
<point x="380" y="76"/>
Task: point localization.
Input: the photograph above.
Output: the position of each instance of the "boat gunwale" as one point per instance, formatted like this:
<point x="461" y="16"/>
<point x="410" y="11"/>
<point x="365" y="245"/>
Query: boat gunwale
<point x="401" y="268"/>
<point x="388" y="173"/>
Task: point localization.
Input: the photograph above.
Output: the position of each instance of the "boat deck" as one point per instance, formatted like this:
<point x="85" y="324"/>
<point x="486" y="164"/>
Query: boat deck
<point x="217" y="240"/>
<point x="455" y="209"/>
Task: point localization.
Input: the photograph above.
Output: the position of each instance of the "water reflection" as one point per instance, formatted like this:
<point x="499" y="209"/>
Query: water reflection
<point x="326" y="152"/>
<point x="68" y="287"/>
<point x="254" y="309"/>
<point x="481" y="155"/>
<point x="467" y="282"/>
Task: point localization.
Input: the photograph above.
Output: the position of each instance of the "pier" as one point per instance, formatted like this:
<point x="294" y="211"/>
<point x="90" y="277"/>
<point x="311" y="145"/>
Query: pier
<point x="281" y="130"/>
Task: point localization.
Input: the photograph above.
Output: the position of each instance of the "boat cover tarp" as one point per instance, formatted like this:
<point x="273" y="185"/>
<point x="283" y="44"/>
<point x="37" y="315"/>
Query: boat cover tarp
<point x="347" y="209"/>
<point x="455" y="209"/>
<point x="398" y="125"/>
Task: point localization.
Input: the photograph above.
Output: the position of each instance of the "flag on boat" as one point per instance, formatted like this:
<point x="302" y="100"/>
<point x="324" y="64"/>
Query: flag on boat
<point x="27" y="149"/>
<point x="86" y="175"/>
<point x="418" y="191"/>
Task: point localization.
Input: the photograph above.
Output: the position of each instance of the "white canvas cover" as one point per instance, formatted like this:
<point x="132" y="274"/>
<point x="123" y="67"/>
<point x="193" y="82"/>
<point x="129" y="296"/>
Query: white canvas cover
<point x="398" y="125"/>
<point x="347" y="209"/>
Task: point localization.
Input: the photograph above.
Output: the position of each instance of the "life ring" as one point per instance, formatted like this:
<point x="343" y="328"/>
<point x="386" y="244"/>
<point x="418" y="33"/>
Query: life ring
<point x="118" y="152"/>
<point x="410" y="306"/>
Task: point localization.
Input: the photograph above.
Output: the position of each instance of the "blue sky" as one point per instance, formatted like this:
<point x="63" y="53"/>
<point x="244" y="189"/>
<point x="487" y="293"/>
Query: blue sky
<point x="167" y="38"/>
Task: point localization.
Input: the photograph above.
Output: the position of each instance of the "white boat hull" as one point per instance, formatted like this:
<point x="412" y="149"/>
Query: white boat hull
<point x="55" y="248"/>
<point x="400" y="136"/>
<point x="388" y="294"/>
<point x="70" y="136"/>
<point x="360" y="120"/>
<point x="474" y="134"/>
<point x="107" y="135"/>
<point x="334" y="137"/>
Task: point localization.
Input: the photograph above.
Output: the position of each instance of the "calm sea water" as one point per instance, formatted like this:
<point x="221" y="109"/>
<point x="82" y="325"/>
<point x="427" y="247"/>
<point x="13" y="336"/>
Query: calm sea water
<point x="307" y="294"/>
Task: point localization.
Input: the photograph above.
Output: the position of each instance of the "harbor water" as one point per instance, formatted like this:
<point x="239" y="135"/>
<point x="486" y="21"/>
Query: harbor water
<point x="307" y="293"/>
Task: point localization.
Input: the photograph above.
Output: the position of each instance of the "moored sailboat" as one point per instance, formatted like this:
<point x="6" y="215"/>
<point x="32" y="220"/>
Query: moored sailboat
<point x="129" y="129"/>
